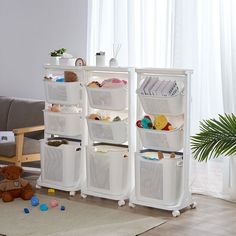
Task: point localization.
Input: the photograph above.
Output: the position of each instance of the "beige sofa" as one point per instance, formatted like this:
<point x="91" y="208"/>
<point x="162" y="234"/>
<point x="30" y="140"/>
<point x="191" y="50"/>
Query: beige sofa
<point x="25" y="118"/>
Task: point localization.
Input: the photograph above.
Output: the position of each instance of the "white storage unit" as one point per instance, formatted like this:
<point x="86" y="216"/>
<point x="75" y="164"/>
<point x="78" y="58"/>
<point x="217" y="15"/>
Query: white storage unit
<point x="109" y="172"/>
<point x="63" y="167"/>
<point x="110" y="132"/>
<point x="68" y="124"/>
<point x="163" y="183"/>
<point x="107" y="169"/>
<point x="63" y="93"/>
<point x="158" y="181"/>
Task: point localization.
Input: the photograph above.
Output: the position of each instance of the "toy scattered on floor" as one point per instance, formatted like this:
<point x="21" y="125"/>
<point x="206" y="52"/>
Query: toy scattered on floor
<point x="70" y="76"/>
<point x="51" y="190"/>
<point x="26" y="211"/>
<point x="13" y="186"/>
<point x="62" y="208"/>
<point x="53" y="203"/>
<point x="161" y="123"/>
<point x="34" y="201"/>
<point x="57" y="143"/>
<point x="108" y="83"/>
<point x="43" y="207"/>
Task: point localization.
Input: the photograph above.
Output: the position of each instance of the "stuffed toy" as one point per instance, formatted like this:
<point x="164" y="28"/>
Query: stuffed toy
<point x="95" y="116"/>
<point x="13" y="186"/>
<point x="70" y="76"/>
<point x="161" y="123"/>
<point x="94" y="84"/>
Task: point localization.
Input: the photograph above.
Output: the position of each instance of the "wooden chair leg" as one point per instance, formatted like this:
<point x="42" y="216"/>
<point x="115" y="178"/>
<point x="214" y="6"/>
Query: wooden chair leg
<point x="19" y="148"/>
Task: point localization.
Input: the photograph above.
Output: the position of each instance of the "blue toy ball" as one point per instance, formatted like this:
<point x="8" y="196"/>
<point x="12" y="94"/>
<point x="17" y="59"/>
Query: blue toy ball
<point x="146" y="123"/>
<point x="26" y="210"/>
<point x="34" y="201"/>
<point x="63" y="208"/>
<point x="43" y="207"/>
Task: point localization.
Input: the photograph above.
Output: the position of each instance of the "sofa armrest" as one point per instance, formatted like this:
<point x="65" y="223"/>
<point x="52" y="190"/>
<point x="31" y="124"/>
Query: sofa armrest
<point x="28" y="129"/>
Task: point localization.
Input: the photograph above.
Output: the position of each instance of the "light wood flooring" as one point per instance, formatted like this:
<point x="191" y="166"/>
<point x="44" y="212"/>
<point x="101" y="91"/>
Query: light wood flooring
<point x="212" y="217"/>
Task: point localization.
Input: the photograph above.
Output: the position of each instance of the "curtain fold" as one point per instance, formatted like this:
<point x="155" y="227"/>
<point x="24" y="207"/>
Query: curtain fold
<point x="200" y="35"/>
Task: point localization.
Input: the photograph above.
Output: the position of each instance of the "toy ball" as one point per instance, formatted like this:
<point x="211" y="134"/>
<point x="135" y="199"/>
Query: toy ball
<point x="34" y="201"/>
<point x="146" y="123"/>
<point x="26" y="211"/>
<point x="53" y="203"/>
<point x="63" y="208"/>
<point x="43" y="207"/>
<point x="138" y="123"/>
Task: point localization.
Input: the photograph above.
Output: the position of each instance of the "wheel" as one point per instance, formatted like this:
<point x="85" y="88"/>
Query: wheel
<point x="83" y="195"/>
<point x="121" y="203"/>
<point x="72" y="193"/>
<point x="132" y="205"/>
<point x="175" y="213"/>
<point x="193" y="205"/>
<point x="38" y="186"/>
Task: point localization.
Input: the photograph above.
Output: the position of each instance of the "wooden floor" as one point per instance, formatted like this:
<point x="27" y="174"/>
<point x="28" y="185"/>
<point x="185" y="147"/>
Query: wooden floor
<point x="212" y="216"/>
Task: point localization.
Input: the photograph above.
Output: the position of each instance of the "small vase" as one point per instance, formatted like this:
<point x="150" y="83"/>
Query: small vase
<point x="113" y="62"/>
<point x="54" y="61"/>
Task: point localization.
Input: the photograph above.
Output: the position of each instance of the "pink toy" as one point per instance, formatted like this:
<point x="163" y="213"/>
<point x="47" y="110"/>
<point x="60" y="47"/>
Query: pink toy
<point x="113" y="83"/>
<point x="53" y="203"/>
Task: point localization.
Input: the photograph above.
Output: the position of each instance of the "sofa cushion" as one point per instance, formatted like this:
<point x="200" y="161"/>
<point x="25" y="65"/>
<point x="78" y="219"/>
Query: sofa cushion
<point x="4" y="109"/>
<point x="30" y="146"/>
<point x="25" y="113"/>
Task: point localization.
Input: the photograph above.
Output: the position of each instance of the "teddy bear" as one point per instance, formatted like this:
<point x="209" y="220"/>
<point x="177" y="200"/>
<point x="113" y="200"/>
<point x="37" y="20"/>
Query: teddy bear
<point x="13" y="186"/>
<point x="70" y="76"/>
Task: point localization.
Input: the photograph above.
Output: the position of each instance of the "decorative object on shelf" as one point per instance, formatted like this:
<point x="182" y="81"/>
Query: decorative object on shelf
<point x="100" y="58"/>
<point x="55" y="56"/>
<point x="80" y="62"/>
<point x="70" y="76"/>
<point x="161" y="123"/>
<point x="67" y="60"/>
<point x="13" y="186"/>
<point x="216" y="138"/>
<point x="113" y="61"/>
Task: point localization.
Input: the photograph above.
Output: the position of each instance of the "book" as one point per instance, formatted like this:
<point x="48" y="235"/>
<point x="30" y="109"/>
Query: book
<point x="152" y="81"/>
<point x="143" y="85"/>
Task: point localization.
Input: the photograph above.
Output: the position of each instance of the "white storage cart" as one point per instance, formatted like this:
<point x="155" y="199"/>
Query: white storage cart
<point x="109" y="158"/>
<point x="163" y="183"/>
<point x="63" y="167"/>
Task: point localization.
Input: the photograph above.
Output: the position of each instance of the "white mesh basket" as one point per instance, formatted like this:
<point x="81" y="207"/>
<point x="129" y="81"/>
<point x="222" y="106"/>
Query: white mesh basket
<point x="69" y="93"/>
<point x="153" y="105"/>
<point x="110" y="132"/>
<point x="171" y="140"/>
<point x="61" y="165"/>
<point x="107" y="169"/>
<point x="158" y="181"/>
<point x="63" y="123"/>
<point x="108" y="98"/>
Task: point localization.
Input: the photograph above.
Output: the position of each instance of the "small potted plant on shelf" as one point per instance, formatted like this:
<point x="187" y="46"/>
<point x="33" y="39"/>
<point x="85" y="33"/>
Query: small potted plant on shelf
<point x="216" y="138"/>
<point x="56" y="55"/>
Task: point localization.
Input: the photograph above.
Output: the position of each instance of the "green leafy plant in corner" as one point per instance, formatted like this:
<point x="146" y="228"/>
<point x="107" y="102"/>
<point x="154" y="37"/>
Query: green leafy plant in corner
<point x="216" y="138"/>
<point x="57" y="53"/>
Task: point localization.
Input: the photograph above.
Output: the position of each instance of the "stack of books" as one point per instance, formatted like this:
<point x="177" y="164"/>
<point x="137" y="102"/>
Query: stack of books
<point x="154" y="86"/>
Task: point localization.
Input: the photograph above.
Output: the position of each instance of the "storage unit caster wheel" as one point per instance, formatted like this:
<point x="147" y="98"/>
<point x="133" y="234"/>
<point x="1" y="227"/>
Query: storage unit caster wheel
<point x="131" y="205"/>
<point x="193" y="205"/>
<point x="83" y="195"/>
<point x="38" y="186"/>
<point x="175" y="213"/>
<point x="121" y="203"/>
<point x="72" y="193"/>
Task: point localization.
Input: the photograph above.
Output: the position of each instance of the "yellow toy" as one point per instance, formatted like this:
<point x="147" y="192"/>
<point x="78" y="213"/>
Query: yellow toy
<point x="161" y="123"/>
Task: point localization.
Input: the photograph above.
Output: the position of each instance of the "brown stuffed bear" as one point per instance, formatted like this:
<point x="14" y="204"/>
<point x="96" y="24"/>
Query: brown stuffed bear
<point x="13" y="185"/>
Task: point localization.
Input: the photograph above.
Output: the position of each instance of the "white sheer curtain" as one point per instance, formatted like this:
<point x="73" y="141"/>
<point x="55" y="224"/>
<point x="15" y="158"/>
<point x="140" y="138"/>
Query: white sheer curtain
<point x="184" y="34"/>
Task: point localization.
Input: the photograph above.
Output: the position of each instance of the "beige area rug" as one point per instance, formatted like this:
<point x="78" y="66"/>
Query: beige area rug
<point x="77" y="219"/>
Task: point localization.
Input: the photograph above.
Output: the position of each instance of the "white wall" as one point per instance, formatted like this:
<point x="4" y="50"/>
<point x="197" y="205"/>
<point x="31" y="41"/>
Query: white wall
<point x="29" y="30"/>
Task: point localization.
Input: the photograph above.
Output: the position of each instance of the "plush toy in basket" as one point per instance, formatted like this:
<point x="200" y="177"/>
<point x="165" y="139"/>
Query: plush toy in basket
<point x="13" y="186"/>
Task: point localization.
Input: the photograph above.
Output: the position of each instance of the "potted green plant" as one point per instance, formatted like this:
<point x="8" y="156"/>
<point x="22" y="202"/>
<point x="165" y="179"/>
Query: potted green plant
<point x="56" y="55"/>
<point x="216" y="138"/>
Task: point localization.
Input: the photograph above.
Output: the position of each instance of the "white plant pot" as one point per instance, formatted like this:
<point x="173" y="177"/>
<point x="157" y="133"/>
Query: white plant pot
<point x="54" y="60"/>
